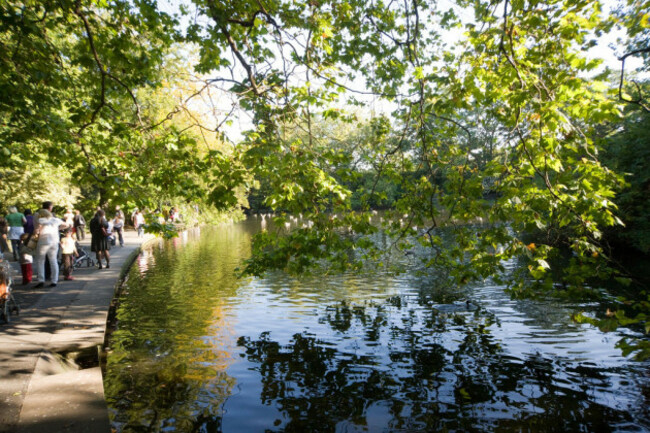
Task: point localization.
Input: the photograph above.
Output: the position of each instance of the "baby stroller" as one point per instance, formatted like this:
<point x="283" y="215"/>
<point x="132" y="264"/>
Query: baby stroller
<point x="82" y="258"/>
<point x="7" y="302"/>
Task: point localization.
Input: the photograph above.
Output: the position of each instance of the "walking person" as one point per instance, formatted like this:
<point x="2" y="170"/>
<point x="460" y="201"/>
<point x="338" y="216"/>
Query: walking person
<point x="79" y="223"/>
<point x="138" y="222"/>
<point x="109" y="232"/>
<point x="68" y="217"/>
<point x="118" y="227"/>
<point x="47" y="209"/>
<point x="47" y="247"/>
<point x="68" y="252"/>
<point x="99" y="243"/>
<point x="15" y="220"/>
<point x="120" y="212"/>
<point x="29" y="222"/>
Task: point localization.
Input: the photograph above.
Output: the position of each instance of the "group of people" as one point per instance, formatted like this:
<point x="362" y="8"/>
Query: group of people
<point x="40" y="236"/>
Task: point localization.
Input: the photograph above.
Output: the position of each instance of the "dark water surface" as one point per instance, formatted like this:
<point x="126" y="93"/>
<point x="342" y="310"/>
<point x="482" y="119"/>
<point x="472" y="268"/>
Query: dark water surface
<point x="197" y="350"/>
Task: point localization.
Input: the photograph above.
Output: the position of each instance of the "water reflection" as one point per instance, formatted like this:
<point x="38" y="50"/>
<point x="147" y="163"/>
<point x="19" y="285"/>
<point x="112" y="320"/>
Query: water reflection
<point x="432" y="371"/>
<point x="199" y="351"/>
<point x="144" y="260"/>
<point x="167" y="363"/>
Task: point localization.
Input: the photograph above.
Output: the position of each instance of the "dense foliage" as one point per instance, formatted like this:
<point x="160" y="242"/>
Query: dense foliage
<point x="96" y="98"/>
<point x="490" y="123"/>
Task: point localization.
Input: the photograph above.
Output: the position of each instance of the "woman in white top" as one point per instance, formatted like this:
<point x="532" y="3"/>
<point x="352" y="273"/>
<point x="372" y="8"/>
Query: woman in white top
<point x="47" y="246"/>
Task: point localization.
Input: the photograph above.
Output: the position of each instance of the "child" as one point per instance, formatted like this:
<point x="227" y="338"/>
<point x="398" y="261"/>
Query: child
<point x="26" y="258"/>
<point x="68" y="251"/>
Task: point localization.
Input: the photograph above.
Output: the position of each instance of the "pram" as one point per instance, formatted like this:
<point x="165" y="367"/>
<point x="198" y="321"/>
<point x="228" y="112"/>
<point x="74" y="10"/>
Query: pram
<point x="7" y="302"/>
<point x="82" y="258"/>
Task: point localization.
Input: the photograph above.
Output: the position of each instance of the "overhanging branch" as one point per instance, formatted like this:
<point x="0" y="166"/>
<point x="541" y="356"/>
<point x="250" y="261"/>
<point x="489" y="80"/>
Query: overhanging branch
<point x="640" y="100"/>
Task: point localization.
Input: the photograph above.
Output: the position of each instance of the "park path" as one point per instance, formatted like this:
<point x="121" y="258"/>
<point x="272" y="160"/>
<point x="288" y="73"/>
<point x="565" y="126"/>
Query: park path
<point x="50" y="378"/>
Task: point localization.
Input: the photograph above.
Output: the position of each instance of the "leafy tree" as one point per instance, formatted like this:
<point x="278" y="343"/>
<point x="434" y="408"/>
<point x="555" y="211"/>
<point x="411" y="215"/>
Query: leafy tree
<point x="551" y="174"/>
<point x="30" y="188"/>
<point x="96" y="100"/>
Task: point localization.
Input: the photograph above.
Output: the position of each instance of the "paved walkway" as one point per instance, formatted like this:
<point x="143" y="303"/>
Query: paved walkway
<point x="50" y="378"/>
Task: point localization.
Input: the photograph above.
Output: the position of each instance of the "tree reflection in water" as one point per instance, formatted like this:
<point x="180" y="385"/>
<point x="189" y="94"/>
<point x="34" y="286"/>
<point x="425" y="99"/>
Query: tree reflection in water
<point x="203" y="351"/>
<point x="164" y="372"/>
<point x="170" y="397"/>
<point x="432" y="372"/>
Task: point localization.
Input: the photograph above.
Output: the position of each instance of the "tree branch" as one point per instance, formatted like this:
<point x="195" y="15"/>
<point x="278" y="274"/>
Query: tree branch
<point x="233" y="47"/>
<point x="102" y="69"/>
<point x="638" y="101"/>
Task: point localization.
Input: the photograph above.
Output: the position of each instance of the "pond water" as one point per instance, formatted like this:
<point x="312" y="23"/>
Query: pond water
<point x="198" y="350"/>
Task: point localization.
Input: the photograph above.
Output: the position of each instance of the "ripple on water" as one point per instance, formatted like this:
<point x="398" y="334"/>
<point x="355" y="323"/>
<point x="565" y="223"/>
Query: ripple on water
<point x="209" y="352"/>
